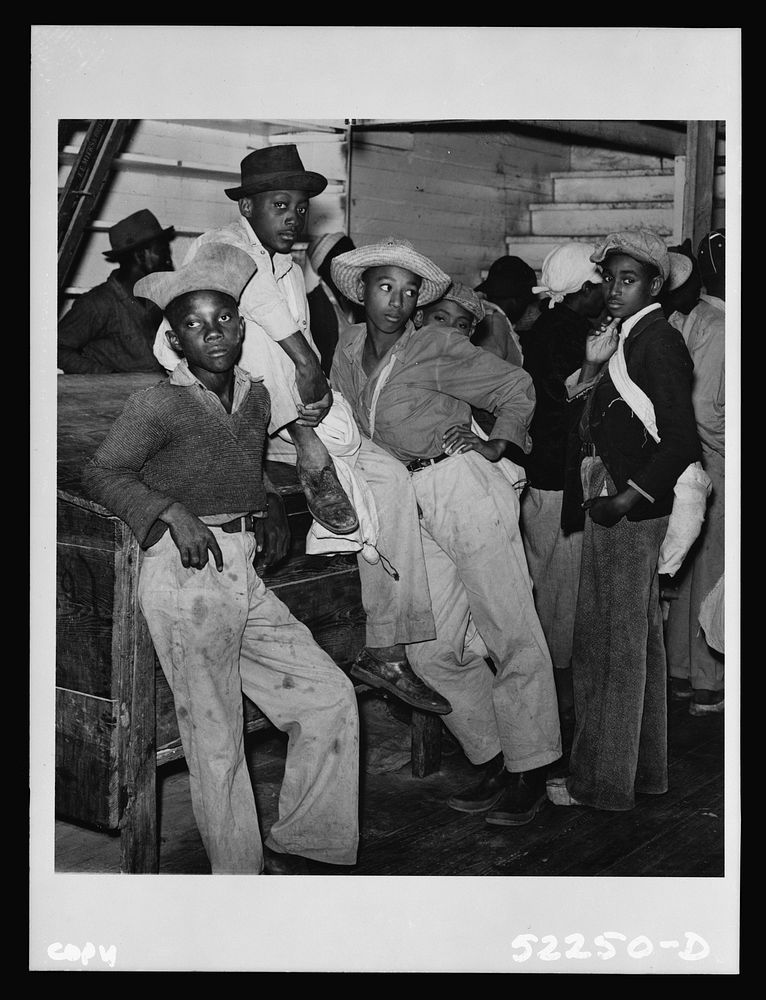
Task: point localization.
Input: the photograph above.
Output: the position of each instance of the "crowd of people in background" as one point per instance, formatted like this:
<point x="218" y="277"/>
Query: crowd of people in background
<point x="504" y="459"/>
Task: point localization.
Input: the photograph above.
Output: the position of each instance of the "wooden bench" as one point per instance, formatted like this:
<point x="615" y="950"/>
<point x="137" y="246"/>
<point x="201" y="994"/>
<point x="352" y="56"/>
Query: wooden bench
<point x="115" y="719"/>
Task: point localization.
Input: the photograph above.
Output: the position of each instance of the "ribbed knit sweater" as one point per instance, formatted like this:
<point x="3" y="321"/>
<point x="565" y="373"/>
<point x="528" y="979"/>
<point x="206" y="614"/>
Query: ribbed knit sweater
<point x="170" y="445"/>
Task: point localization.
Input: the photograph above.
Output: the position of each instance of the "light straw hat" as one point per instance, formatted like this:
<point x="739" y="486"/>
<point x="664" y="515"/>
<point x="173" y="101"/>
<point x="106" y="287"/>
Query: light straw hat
<point x="347" y="268"/>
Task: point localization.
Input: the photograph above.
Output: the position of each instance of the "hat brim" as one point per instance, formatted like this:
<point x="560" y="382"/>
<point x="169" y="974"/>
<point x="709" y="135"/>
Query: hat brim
<point x="164" y="234"/>
<point x="347" y="270"/>
<point x="615" y="244"/>
<point x="303" y="180"/>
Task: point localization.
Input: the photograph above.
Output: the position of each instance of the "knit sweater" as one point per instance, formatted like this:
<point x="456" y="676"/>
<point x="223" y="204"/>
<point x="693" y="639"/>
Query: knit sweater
<point x="169" y="445"/>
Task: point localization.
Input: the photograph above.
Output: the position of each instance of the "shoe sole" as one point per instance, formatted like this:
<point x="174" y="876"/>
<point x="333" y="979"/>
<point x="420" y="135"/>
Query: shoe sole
<point x="374" y="681"/>
<point x="332" y="527"/>
<point x="505" y="819"/>
<point x="474" y="808"/>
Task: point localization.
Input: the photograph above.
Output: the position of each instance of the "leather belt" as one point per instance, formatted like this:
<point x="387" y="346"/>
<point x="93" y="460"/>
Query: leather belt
<point x="246" y="523"/>
<point x="423" y="463"/>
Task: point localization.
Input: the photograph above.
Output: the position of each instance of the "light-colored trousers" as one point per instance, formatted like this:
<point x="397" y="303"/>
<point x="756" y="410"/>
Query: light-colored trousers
<point x="689" y="656"/>
<point x="218" y="635"/>
<point x="554" y="565"/>
<point x="477" y="572"/>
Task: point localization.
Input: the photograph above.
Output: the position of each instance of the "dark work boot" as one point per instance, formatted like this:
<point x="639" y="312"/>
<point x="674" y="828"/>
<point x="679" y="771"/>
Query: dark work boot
<point x="489" y="790"/>
<point x="524" y="796"/>
<point x="398" y="678"/>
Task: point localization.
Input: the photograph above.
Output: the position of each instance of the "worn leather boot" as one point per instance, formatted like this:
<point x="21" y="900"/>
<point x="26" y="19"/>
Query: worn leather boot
<point x="327" y="501"/>
<point x="397" y="677"/>
<point x="524" y="796"/>
<point x="479" y="798"/>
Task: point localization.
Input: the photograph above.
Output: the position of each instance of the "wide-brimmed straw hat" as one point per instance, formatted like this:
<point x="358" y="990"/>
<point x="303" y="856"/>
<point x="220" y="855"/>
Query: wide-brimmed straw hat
<point x="136" y="231"/>
<point x="347" y="268"/>
<point x="217" y="267"/>
<point x="641" y="244"/>
<point x="275" y="168"/>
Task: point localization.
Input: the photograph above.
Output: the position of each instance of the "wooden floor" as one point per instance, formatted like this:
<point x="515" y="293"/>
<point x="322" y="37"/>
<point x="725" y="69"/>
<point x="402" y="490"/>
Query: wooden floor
<point x="407" y="828"/>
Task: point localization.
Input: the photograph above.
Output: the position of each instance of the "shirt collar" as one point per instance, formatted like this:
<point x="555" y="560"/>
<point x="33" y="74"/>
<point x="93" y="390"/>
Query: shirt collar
<point x="630" y="322"/>
<point x="355" y="345"/>
<point x="182" y="375"/>
<point x="714" y="301"/>
<point x="282" y="261"/>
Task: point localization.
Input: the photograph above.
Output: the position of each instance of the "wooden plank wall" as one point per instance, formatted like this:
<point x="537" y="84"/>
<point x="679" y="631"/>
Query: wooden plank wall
<point x="454" y="195"/>
<point x="193" y="200"/>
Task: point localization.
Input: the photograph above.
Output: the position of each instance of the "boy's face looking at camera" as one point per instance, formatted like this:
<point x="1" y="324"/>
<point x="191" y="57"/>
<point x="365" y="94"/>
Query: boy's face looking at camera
<point x="629" y="285"/>
<point x="390" y="296"/>
<point x="206" y="329"/>
<point x="276" y="217"/>
<point x="447" y="312"/>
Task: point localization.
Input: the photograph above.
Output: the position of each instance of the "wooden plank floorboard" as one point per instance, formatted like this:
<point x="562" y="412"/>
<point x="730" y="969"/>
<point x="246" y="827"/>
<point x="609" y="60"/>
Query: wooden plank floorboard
<point x="408" y="829"/>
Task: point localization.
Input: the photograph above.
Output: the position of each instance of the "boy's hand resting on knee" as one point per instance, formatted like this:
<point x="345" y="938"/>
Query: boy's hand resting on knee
<point x="193" y="538"/>
<point x="460" y="438"/>
<point x="272" y="534"/>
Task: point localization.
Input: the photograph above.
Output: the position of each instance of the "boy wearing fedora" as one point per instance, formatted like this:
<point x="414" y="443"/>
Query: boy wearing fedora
<point x="273" y="200"/>
<point x="412" y="391"/>
<point x="108" y="329"/>
<point x="182" y="466"/>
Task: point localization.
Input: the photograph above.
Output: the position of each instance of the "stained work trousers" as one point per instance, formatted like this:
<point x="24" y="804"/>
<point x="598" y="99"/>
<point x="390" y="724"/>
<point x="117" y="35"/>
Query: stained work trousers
<point x="477" y="571"/>
<point x="218" y="635"/>
<point x="554" y="565"/>
<point x="619" y="667"/>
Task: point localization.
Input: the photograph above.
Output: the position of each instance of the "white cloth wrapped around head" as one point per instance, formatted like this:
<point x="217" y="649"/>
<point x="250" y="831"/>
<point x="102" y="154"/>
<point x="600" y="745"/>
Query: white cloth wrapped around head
<point x="565" y="270"/>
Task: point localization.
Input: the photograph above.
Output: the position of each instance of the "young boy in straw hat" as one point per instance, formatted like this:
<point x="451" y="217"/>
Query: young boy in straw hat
<point x="273" y="201"/>
<point x="412" y="392"/>
<point x="182" y="466"/>
<point x="618" y="660"/>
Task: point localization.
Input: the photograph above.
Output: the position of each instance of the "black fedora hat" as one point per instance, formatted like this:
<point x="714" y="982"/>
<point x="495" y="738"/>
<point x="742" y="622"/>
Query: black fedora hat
<point x="138" y="230"/>
<point x="273" y="168"/>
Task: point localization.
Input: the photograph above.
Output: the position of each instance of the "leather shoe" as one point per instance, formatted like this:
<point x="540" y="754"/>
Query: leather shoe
<point x="327" y="501"/>
<point x="483" y="796"/>
<point x="275" y="863"/>
<point x="397" y="677"/>
<point x="523" y="798"/>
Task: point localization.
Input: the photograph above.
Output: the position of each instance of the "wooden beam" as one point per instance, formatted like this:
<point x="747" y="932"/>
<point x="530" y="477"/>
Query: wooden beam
<point x="699" y="180"/>
<point x="635" y="135"/>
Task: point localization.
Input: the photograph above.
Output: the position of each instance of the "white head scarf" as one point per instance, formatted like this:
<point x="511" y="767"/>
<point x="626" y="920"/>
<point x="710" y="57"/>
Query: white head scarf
<point x="564" y="271"/>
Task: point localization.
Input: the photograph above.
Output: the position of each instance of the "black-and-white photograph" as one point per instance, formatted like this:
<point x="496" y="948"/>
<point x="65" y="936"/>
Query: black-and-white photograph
<point x="378" y="464"/>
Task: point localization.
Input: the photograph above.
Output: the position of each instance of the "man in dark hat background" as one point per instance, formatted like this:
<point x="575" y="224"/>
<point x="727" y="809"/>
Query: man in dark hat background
<point x="508" y="295"/>
<point x="108" y="329"/>
<point x="273" y="199"/>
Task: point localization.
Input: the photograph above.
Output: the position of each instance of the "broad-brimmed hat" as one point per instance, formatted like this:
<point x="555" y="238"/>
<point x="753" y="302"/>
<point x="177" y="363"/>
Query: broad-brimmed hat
<point x="275" y="168"/>
<point x="641" y="244"/>
<point x="467" y="298"/>
<point x="347" y="268"/>
<point x="508" y="277"/>
<point x="138" y="230"/>
<point x="681" y="268"/>
<point x="320" y="247"/>
<point x="217" y="267"/>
